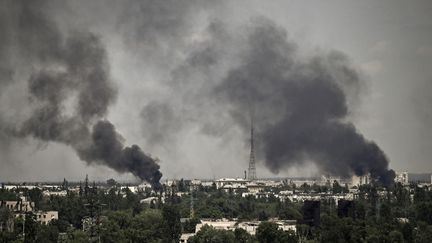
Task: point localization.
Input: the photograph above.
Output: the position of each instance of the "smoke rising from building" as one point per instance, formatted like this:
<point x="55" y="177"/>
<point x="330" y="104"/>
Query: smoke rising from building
<point x="212" y="73"/>
<point x="69" y="90"/>
<point x="301" y="106"/>
<point x="300" y="103"/>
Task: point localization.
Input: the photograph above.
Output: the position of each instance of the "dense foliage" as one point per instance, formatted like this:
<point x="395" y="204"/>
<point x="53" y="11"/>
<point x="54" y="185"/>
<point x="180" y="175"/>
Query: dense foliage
<point x="402" y="214"/>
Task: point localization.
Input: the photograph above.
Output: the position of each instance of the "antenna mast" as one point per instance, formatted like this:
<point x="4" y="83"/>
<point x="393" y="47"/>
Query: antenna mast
<point x="252" y="170"/>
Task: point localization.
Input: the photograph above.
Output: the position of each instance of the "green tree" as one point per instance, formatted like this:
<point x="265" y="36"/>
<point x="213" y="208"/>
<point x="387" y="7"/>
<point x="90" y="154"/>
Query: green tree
<point x="337" y="188"/>
<point x="189" y="225"/>
<point x="209" y="234"/>
<point x="396" y="237"/>
<point x="30" y="227"/>
<point x="148" y="226"/>
<point x="303" y="231"/>
<point x="401" y="195"/>
<point x="242" y="236"/>
<point x="423" y="212"/>
<point x="6" y="195"/>
<point x="6" y="219"/>
<point x="372" y="239"/>
<point x="288" y="237"/>
<point x="122" y="218"/>
<point x="171" y="216"/>
<point x="47" y="233"/>
<point x="331" y="229"/>
<point x="77" y="236"/>
<point x="110" y="232"/>
<point x="6" y="237"/>
<point x="262" y="216"/>
<point x="111" y="182"/>
<point x="423" y="234"/>
<point x="36" y="196"/>
<point x="268" y="232"/>
<point x="385" y="212"/>
<point x="420" y="195"/>
<point x="287" y="210"/>
<point x="360" y="209"/>
<point x="407" y="231"/>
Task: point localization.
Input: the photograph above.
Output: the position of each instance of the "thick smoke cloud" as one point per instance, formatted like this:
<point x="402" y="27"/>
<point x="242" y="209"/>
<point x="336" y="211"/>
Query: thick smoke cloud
<point x="192" y="101"/>
<point x="160" y="24"/>
<point x="301" y="104"/>
<point x="70" y="91"/>
<point x="214" y="75"/>
<point x="300" y="107"/>
<point x="107" y="148"/>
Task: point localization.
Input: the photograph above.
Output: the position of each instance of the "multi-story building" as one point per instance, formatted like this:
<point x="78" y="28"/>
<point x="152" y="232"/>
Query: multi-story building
<point x="249" y="226"/>
<point x="361" y="180"/>
<point x="22" y="205"/>
<point x="402" y="177"/>
<point x="46" y="217"/>
<point x="237" y="182"/>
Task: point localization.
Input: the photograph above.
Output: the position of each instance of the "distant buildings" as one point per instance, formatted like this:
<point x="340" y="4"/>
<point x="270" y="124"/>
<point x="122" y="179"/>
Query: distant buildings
<point x="230" y="183"/>
<point x="360" y="180"/>
<point x="247" y="187"/>
<point x="54" y="193"/>
<point x="249" y="226"/>
<point x="406" y="178"/>
<point x="149" y="200"/>
<point x="22" y="207"/>
<point x="18" y="206"/>
<point x="402" y="177"/>
<point x="46" y="217"/>
<point x="305" y="190"/>
<point x="423" y="178"/>
<point x="221" y="224"/>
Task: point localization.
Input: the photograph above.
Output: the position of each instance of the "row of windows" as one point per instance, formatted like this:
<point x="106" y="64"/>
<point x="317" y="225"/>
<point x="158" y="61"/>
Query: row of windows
<point x="11" y="206"/>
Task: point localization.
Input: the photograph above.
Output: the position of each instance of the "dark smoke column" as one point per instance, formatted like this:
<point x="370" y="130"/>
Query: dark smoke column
<point x="107" y="149"/>
<point x="301" y="107"/>
<point x="63" y="68"/>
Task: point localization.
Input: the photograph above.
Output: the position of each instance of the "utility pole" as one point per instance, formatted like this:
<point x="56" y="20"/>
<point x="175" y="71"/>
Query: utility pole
<point x="24" y="227"/>
<point x="192" y="210"/>
<point x="86" y="186"/>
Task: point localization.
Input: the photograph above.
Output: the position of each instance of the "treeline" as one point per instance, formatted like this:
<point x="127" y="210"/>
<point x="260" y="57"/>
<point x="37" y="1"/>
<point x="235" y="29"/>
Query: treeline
<point x="402" y="214"/>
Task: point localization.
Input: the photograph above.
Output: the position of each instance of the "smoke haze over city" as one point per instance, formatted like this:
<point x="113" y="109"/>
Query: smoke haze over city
<point x="137" y="89"/>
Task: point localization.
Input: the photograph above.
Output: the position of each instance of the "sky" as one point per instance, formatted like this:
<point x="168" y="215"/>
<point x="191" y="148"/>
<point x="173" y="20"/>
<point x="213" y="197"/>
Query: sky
<point x="165" y="59"/>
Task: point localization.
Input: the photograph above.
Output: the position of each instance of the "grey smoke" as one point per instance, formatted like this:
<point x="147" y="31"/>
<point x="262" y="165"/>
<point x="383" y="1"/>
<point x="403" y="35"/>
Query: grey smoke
<point x="301" y="104"/>
<point x="152" y="23"/>
<point x="160" y="117"/>
<point x="191" y="87"/>
<point x="421" y="107"/>
<point x="300" y="107"/>
<point x="70" y="92"/>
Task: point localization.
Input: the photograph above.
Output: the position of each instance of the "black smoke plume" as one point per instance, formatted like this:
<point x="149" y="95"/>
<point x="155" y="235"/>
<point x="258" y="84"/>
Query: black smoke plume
<point x="300" y="102"/>
<point x="69" y="90"/>
<point x="300" y="107"/>
<point x="107" y="147"/>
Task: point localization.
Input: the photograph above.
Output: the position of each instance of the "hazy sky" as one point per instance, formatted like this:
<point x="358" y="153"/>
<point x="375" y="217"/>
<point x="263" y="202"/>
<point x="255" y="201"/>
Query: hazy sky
<point x="150" y="47"/>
